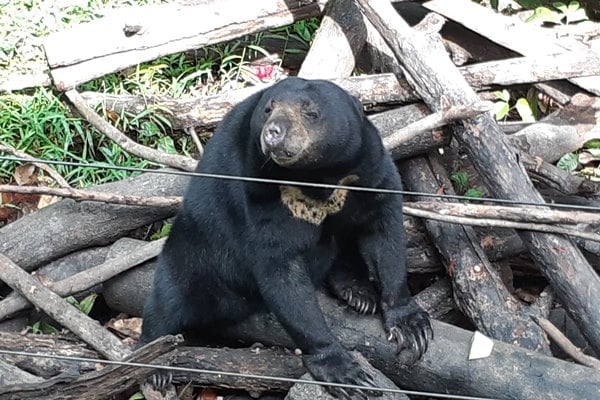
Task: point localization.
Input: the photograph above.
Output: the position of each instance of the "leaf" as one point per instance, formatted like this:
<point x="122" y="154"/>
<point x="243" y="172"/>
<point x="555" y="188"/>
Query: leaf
<point x="562" y="7"/>
<point x="544" y="14"/>
<point x="42" y="327"/>
<point x="576" y="16"/>
<point x="568" y="162"/>
<point x="503" y="95"/>
<point x="137" y="396"/>
<point x="72" y="301"/>
<point x="592" y="144"/>
<point x="166" y="144"/>
<point x="25" y="174"/>
<point x="500" y="110"/>
<point x="524" y="110"/>
<point x="474" y="192"/>
<point x="86" y="304"/>
<point x="461" y="179"/>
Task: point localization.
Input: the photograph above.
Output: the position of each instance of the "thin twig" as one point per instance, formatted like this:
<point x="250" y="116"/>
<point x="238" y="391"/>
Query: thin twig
<point x="500" y="223"/>
<point x="157" y="156"/>
<point x="517" y="214"/>
<point x="192" y="132"/>
<point x="88" y="329"/>
<point x="49" y="170"/>
<point x="565" y="344"/>
<point x="102" y="197"/>
<point x="434" y="121"/>
<point x="86" y="279"/>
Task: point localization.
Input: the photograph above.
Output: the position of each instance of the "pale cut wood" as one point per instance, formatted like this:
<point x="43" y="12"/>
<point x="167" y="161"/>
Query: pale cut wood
<point x="137" y="34"/>
<point x="89" y="330"/>
<point x="378" y="89"/>
<point x="511" y="33"/>
<point x="336" y="43"/>
<point x="563" y="131"/>
<point x="439" y="82"/>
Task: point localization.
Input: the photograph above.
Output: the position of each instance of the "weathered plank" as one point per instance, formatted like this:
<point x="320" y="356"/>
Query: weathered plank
<point x="510" y="33"/>
<point x="137" y="34"/>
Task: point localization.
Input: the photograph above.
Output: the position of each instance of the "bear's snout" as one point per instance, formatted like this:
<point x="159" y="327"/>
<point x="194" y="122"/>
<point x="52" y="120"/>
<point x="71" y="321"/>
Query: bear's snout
<point x="273" y="134"/>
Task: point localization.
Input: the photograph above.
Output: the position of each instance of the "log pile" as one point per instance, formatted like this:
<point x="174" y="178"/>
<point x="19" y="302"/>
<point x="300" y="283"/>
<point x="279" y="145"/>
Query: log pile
<point x="464" y="258"/>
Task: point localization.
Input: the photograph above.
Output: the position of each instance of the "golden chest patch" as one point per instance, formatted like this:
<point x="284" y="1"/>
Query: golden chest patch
<point x="312" y="210"/>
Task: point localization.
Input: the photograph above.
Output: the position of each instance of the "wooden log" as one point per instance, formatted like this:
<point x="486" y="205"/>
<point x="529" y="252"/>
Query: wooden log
<point x="137" y="34"/>
<point x="336" y="43"/>
<point x="84" y="280"/>
<point x="108" y="381"/>
<point x="438" y="81"/>
<point x="10" y="374"/>
<point x="46" y="368"/>
<point x="478" y="289"/>
<point x="509" y="32"/>
<point x="386" y="89"/>
<point x="307" y="391"/>
<point x="62" y="312"/>
<point x="69" y="226"/>
<point x="509" y="373"/>
<point x="206" y="112"/>
<point x="563" y="131"/>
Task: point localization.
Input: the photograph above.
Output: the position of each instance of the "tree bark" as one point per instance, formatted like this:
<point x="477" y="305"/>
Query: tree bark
<point x="478" y="290"/>
<point x="88" y="329"/>
<point x="69" y="226"/>
<point x="138" y="34"/>
<point x="509" y="373"/>
<point x="336" y="43"/>
<point x="437" y="80"/>
<point x="98" y="385"/>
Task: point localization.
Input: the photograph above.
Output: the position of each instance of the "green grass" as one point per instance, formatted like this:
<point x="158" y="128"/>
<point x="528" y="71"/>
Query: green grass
<point x="39" y="123"/>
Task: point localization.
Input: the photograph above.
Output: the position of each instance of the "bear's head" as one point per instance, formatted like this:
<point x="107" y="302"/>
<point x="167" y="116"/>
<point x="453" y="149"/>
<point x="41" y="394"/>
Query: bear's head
<point x="308" y="124"/>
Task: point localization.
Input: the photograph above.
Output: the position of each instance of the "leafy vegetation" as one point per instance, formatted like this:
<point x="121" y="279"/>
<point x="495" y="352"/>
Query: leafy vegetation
<point x="39" y="123"/>
<point x="544" y="11"/>
<point x="526" y="109"/>
<point x="462" y="186"/>
<point x="586" y="162"/>
<point x="85" y="306"/>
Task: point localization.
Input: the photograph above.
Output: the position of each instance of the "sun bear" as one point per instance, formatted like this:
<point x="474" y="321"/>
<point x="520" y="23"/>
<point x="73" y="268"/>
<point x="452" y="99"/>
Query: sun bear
<point x="238" y="248"/>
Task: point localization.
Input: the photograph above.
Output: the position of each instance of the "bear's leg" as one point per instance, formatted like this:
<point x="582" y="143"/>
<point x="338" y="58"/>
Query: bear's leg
<point x="349" y="281"/>
<point x="161" y="317"/>
<point x="288" y="292"/>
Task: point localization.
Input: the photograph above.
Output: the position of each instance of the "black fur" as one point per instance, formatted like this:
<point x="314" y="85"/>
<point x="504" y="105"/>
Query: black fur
<point x="235" y="249"/>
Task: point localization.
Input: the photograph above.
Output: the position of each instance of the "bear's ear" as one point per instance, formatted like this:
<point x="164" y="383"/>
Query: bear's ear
<point x="358" y="105"/>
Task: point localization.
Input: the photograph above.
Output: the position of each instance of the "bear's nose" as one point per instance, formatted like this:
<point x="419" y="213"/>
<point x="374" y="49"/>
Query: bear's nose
<point x="273" y="134"/>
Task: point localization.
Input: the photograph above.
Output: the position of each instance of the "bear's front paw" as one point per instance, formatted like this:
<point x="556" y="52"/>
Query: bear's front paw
<point x="334" y="364"/>
<point x="410" y="328"/>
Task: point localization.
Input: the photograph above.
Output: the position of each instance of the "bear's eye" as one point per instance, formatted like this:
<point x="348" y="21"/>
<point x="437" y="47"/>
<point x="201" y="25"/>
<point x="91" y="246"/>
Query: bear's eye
<point x="310" y="114"/>
<point x="269" y="107"/>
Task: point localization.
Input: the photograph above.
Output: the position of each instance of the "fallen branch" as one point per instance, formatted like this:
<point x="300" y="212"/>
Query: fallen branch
<point x="45" y="167"/>
<point x="336" y="43"/>
<point x="88" y="195"/>
<point x="88" y="278"/>
<point x="565" y="344"/>
<point x="455" y="213"/>
<point x="106" y="382"/>
<point x="438" y="82"/>
<point x="62" y="312"/>
<point x="453" y="219"/>
<point x="509" y="213"/>
<point x="433" y="121"/>
<point x="147" y="153"/>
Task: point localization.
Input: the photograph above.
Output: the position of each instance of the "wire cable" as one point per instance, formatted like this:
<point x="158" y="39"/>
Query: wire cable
<point x="238" y="375"/>
<point x="303" y="184"/>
